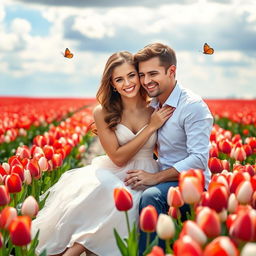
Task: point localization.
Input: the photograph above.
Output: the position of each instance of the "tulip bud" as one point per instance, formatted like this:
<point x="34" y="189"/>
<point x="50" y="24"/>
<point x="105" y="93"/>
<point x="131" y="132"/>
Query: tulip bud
<point x="27" y="177"/>
<point x="148" y="219"/>
<point x="232" y="203"/>
<point x="191" y="229"/>
<point x="191" y="190"/>
<point x="174" y="197"/>
<point x="174" y="212"/>
<point x="165" y="227"/>
<point x="13" y="183"/>
<point x="156" y="251"/>
<point x="43" y="164"/>
<point x="244" y="192"/>
<point x="187" y="246"/>
<point x="123" y="199"/>
<point x="221" y="245"/>
<point x="30" y="207"/>
<point x="249" y="250"/>
<point x="215" y="165"/>
<point x="8" y="214"/>
<point x="208" y="220"/>
<point x="4" y="195"/>
<point x="20" y="231"/>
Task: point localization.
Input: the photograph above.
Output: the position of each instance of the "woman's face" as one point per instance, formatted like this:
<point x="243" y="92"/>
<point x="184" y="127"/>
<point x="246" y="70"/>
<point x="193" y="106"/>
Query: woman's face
<point x="126" y="80"/>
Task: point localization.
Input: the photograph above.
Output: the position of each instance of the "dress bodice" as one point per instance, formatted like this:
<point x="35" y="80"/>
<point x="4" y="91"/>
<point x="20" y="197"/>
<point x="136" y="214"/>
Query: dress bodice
<point x="124" y="134"/>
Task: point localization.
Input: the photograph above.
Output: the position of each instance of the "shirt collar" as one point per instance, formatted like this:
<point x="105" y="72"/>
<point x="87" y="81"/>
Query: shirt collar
<point x="172" y="100"/>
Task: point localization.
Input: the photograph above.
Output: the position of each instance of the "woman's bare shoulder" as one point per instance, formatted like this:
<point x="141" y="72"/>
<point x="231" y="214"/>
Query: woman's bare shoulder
<point x="98" y="111"/>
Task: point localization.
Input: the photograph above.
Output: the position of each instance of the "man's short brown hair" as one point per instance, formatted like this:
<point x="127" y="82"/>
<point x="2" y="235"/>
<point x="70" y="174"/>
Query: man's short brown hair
<point x="166" y="54"/>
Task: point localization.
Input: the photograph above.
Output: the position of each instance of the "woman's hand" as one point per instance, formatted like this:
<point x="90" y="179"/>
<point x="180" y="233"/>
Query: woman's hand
<point x="160" y="116"/>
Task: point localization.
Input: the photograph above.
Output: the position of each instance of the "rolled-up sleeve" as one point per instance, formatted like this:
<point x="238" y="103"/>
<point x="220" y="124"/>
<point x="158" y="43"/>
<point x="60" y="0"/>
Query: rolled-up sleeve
<point x="198" y="125"/>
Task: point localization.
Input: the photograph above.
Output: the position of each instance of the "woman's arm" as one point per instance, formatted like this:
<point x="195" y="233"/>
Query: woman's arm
<point x="120" y="155"/>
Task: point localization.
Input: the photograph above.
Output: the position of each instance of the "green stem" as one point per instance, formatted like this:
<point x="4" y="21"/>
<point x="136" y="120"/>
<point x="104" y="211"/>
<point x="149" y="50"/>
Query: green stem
<point x="147" y="239"/>
<point x="127" y="221"/>
<point x="15" y="199"/>
<point x="168" y="246"/>
<point x="192" y="211"/>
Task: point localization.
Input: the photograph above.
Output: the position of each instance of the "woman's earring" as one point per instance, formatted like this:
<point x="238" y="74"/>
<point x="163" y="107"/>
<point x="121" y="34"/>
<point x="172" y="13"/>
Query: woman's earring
<point x="114" y="89"/>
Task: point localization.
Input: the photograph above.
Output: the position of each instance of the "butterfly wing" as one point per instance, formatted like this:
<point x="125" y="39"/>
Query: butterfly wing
<point x="208" y="49"/>
<point x="68" y="54"/>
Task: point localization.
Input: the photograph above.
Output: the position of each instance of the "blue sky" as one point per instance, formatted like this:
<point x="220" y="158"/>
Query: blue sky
<point x="34" y="33"/>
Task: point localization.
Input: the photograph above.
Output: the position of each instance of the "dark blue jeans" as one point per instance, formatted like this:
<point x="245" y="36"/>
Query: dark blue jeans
<point x="157" y="196"/>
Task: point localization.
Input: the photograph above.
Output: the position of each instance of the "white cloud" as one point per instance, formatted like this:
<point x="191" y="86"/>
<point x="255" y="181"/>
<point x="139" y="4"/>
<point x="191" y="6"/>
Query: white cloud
<point x="21" y="26"/>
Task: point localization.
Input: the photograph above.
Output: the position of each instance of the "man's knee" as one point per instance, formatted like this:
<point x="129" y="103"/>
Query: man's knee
<point x="150" y="196"/>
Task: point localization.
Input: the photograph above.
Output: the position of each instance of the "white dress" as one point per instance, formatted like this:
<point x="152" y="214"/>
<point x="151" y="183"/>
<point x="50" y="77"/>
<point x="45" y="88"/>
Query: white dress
<point x="80" y="207"/>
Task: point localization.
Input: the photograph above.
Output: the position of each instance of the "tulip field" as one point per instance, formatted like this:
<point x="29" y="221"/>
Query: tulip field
<point x="40" y="139"/>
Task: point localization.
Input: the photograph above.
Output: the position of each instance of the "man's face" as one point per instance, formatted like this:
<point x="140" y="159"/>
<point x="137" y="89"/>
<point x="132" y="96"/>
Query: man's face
<point x="155" y="79"/>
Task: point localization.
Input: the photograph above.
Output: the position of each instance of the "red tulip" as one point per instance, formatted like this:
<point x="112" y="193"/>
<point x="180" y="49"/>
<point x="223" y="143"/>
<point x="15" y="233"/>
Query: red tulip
<point x="18" y="169"/>
<point x="243" y="227"/>
<point x="34" y="169"/>
<point x="20" y="230"/>
<point x="174" y="197"/>
<point x="156" y="251"/>
<point x="215" y="165"/>
<point x="23" y="152"/>
<point x="244" y="192"/>
<point x="221" y="246"/>
<point x="123" y="199"/>
<point x="247" y="149"/>
<point x="236" y="179"/>
<point x="57" y="160"/>
<point x="187" y="246"/>
<point x="4" y="195"/>
<point x="148" y="219"/>
<point x="192" y="229"/>
<point x="191" y="189"/>
<point x="174" y="212"/>
<point x="240" y="154"/>
<point x="7" y="216"/>
<point x="209" y="221"/>
<point x="225" y="146"/>
<point x="218" y="196"/>
<point x="48" y="152"/>
<point x="13" y="183"/>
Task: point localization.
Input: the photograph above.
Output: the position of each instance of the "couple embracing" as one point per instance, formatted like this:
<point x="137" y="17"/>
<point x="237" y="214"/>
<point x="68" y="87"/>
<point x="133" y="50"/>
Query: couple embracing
<point x="79" y="215"/>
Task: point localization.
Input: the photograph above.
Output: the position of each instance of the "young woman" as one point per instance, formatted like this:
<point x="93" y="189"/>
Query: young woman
<point x="79" y="215"/>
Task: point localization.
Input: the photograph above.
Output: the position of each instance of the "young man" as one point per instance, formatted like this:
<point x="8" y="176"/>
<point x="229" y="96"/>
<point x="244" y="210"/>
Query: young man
<point x="183" y="141"/>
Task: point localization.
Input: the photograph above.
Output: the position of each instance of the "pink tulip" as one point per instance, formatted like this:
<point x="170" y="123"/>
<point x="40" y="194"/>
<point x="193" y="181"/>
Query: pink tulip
<point x="30" y="207"/>
<point x="43" y="164"/>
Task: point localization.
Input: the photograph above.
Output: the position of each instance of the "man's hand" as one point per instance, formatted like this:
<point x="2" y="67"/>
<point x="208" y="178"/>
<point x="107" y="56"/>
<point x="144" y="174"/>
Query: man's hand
<point x="139" y="178"/>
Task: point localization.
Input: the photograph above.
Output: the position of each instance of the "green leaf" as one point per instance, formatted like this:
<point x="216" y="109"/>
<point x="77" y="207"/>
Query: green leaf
<point x="122" y="247"/>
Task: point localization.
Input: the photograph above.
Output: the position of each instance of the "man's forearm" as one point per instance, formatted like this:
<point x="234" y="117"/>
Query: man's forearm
<point x="170" y="174"/>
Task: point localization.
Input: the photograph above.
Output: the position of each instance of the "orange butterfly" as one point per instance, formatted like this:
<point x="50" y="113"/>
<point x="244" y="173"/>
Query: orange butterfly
<point x="208" y="49"/>
<point x="68" y="54"/>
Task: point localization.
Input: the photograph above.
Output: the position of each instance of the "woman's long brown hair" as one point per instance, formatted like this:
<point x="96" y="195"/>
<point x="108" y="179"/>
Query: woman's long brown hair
<point x="109" y="99"/>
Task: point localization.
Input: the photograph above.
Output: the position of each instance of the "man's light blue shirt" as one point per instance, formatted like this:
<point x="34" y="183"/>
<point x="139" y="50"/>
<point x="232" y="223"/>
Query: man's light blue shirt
<point x="183" y="141"/>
